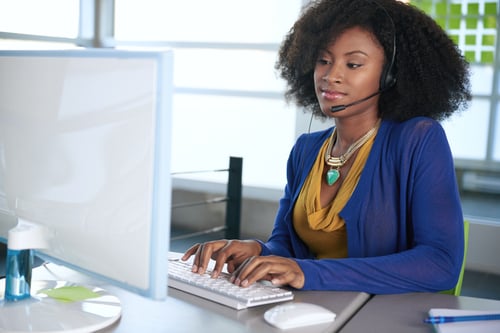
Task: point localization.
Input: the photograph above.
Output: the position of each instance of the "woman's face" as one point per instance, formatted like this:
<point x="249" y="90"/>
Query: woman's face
<point x="348" y="71"/>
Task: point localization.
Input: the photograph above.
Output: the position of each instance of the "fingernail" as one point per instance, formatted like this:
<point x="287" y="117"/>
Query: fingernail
<point x="244" y="283"/>
<point x="194" y="269"/>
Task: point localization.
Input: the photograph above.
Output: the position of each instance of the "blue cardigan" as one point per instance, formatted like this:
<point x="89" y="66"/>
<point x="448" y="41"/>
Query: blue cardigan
<point x="404" y="219"/>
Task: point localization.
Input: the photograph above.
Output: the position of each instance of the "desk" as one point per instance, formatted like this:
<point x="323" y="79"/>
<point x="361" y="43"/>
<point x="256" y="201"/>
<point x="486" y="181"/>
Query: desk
<point x="406" y="312"/>
<point x="182" y="312"/>
<point x="356" y="312"/>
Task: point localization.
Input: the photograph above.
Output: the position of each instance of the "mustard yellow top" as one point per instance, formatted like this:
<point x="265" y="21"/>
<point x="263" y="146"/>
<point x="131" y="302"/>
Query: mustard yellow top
<point x="321" y="228"/>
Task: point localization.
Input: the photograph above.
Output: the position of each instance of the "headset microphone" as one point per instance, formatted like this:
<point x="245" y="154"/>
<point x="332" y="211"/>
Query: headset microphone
<point x="337" y="108"/>
<point x="388" y="77"/>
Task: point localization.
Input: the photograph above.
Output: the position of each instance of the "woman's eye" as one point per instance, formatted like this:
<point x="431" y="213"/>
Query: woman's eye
<point x="353" y="65"/>
<point x="323" y="61"/>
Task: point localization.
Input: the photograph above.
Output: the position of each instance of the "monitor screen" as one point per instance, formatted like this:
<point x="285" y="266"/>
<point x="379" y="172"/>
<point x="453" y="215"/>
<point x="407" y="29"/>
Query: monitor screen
<point x="85" y="141"/>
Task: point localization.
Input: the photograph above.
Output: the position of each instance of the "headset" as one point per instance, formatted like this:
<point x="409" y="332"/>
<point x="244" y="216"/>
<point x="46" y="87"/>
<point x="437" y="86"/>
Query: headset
<point x="388" y="75"/>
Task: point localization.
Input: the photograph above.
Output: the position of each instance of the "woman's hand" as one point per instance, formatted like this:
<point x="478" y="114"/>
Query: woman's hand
<point x="232" y="252"/>
<point x="278" y="270"/>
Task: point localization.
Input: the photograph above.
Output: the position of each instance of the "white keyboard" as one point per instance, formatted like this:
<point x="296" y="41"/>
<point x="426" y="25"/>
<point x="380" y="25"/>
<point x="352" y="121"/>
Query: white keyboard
<point x="222" y="291"/>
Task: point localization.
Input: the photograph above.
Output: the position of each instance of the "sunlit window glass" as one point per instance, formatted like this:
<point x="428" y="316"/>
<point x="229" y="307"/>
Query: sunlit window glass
<point x="496" y="141"/>
<point x="257" y="21"/>
<point x="58" y="18"/>
<point x="470" y="23"/>
<point x="223" y="69"/>
<point x="476" y="120"/>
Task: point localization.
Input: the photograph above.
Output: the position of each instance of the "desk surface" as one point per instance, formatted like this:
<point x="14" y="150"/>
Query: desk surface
<point x="406" y="312"/>
<point x="356" y="312"/>
<point x="183" y="312"/>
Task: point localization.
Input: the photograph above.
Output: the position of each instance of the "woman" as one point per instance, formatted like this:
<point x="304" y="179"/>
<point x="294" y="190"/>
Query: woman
<point x="370" y="204"/>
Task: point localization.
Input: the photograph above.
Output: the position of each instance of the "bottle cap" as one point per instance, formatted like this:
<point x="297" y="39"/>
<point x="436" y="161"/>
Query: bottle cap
<point x="28" y="235"/>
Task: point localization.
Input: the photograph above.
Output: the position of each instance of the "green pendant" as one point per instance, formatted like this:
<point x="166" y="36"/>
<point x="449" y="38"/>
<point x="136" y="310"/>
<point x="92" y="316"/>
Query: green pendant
<point x="332" y="176"/>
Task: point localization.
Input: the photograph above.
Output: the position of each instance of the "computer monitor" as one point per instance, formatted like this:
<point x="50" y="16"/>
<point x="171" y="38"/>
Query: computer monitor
<point x="85" y="141"/>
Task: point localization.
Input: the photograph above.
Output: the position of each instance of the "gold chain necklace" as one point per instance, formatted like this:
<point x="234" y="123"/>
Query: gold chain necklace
<point x="336" y="163"/>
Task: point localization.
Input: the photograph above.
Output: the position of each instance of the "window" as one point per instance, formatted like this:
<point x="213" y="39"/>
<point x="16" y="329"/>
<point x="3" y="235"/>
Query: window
<point x="31" y="17"/>
<point x="228" y="100"/>
<point x="215" y="21"/>
<point x="473" y="25"/>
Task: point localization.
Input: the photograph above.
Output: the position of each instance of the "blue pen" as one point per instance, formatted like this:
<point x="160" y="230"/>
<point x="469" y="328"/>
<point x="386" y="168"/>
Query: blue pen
<point x="453" y="319"/>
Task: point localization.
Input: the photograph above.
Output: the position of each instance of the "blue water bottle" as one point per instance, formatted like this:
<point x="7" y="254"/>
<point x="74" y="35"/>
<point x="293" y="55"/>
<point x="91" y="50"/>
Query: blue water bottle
<point x="18" y="274"/>
<point x="22" y="239"/>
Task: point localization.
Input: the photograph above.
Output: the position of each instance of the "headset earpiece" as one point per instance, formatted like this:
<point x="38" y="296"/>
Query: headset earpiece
<point x="388" y="76"/>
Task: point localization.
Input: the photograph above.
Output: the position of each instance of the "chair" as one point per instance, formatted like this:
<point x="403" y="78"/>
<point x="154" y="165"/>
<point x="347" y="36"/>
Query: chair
<point x="232" y="199"/>
<point x="458" y="287"/>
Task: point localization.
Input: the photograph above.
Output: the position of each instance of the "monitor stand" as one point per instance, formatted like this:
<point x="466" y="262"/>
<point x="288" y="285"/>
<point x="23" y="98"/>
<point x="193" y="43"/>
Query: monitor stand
<point x="41" y="313"/>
